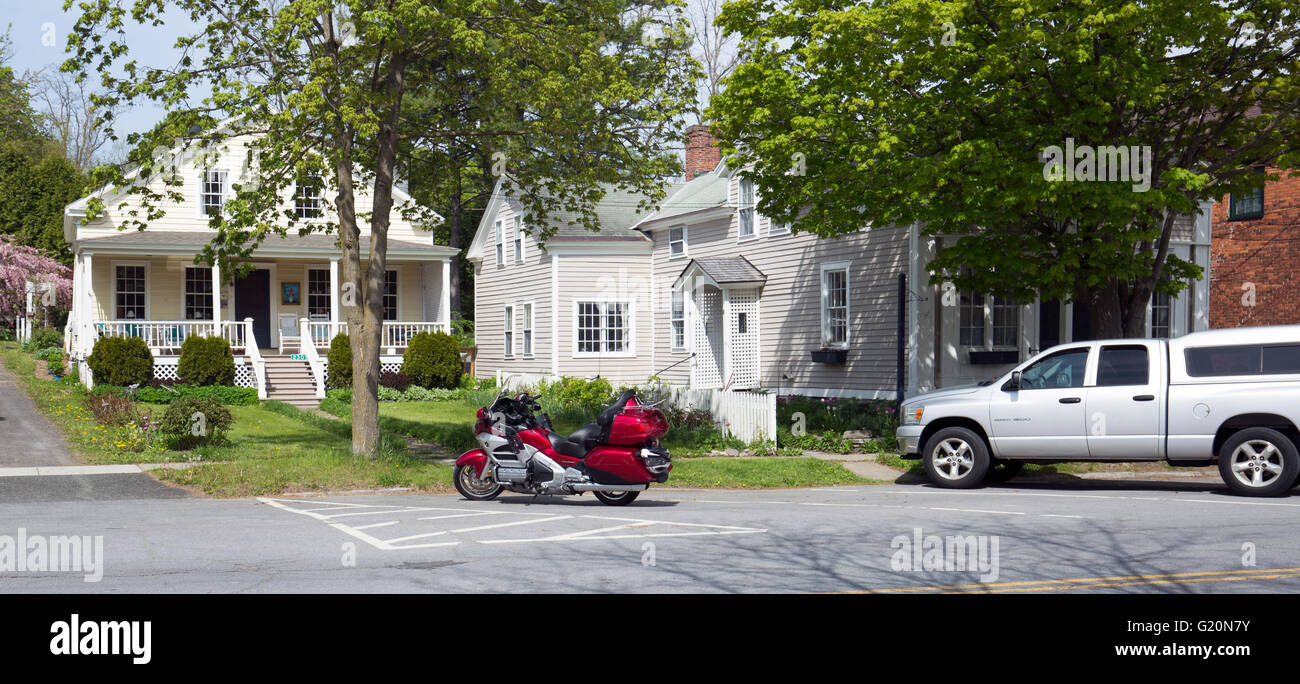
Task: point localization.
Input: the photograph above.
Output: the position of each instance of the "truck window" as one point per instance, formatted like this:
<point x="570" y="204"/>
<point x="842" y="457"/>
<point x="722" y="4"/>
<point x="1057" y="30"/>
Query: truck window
<point x="1282" y="359"/>
<point x="1241" y="359"/>
<point x="1062" y="369"/>
<point x="1123" y="365"/>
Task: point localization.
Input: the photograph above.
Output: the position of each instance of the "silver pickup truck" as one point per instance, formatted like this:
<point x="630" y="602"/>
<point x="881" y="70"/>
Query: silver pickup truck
<point x="1231" y="396"/>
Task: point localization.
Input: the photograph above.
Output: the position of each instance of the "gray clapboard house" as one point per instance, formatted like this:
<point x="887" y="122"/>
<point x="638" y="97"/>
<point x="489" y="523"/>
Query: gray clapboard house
<point x="707" y="293"/>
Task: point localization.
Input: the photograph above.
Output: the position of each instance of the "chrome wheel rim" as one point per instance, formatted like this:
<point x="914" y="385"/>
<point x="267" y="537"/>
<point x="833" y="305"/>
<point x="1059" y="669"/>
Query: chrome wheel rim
<point x="475" y="484"/>
<point x="1256" y="463"/>
<point x="953" y="458"/>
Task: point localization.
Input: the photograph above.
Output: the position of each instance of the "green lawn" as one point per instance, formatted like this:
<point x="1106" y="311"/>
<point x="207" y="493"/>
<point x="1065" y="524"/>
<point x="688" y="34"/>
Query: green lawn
<point x="758" y="473"/>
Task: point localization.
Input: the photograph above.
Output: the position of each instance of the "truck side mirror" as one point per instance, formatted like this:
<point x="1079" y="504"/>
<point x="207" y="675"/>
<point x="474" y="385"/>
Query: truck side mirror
<point x="1013" y="383"/>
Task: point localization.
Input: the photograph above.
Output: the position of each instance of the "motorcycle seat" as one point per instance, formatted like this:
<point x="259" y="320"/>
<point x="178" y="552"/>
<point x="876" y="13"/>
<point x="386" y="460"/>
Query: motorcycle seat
<point x="568" y="447"/>
<point x="588" y="436"/>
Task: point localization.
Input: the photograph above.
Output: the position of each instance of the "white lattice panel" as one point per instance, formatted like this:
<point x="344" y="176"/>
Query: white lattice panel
<point x="742" y="336"/>
<point x="165" y="370"/>
<point x="708" y="337"/>
<point x="244" y="376"/>
<point x="390" y="367"/>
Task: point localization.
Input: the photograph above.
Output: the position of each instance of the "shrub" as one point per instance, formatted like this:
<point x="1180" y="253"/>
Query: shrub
<point x="389" y="394"/>
<point x="343" y="395"/>
<point x="433" y="360"/>
<point x="578" y="393"/>
<point x="189" y="422"/>
<point x="397" y="381"/>
<point x="339" y="362"/>
<point x="121" y="361"/>
<point x="55" y="367"/>
<point x="206" y="361"/>
<point x="42" y="338"/>
<point x="110" y="408"/>
<point x="50" y="354"/>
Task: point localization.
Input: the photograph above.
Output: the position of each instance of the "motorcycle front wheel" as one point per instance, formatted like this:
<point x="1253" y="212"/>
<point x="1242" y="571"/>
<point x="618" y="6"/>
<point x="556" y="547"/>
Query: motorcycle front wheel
<point x="471" y="487"/>
<point x="617" y="498"/>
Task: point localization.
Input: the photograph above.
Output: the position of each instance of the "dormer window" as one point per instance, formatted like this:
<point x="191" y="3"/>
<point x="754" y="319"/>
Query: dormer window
<point x="212" y="194"/>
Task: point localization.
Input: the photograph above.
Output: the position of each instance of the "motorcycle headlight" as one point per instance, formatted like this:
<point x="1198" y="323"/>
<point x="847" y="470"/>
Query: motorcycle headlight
<point x="912" y="415"/>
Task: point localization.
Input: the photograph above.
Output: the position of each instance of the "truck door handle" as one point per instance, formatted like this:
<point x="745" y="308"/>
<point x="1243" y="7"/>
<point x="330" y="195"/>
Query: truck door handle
<point x="1145" y="397"/>
<point x="1070" y="400"/>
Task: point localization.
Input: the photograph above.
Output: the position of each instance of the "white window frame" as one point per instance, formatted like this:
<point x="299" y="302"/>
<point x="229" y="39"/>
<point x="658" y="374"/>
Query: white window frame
<point x="508" y="332"/>
<point x="307" y="295"/>
<point x="629" y="350"/>
<point x="986" y="317"/>
<point x="185" y="283"/>
<point x="528" y="313"/>
<point x="317" y="200"/>
<point x="742" y="207"/>
<point x="501" y="244"/>
<point x="517" y="241"/>
<point x="686" y="248"/>
<point x="148" y="277"/>
<point x="224" y="195"/>
<point x="674" y="320"/>
<point x="1151" y="315"/>
<point x="397" y="293"/>
<point x="848" y="304"/>
<point x="774" y="228"/>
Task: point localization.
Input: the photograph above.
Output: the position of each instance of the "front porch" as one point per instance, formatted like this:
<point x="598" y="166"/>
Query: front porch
<point x="718" y="300"/>
<point x="288" y="303"/>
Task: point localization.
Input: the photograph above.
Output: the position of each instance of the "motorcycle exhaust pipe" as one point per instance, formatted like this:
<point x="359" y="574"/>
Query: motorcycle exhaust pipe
<point x="608" y="488"/>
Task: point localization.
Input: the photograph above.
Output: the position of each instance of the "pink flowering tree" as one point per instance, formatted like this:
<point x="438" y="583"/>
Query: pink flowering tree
<point x="20" y="264"/>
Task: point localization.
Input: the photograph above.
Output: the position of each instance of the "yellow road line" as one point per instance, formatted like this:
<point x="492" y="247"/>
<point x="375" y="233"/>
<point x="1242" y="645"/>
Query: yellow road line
<point x="1238" y="578"/>
<point x="1073" y="583"/>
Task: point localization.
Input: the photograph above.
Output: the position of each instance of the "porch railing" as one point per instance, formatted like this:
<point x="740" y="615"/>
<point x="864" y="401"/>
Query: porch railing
<point x="255" y="356"/>
<point x="314" y="359"/>
<point x="395" y="335"/>
<point x="162" y="336"/>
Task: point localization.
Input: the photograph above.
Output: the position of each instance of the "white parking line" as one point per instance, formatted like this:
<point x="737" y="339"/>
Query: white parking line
<point x="400" y="543"/>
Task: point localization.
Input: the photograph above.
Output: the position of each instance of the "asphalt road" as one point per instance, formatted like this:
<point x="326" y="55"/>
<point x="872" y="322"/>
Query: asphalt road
<point x="1093" y="536"/>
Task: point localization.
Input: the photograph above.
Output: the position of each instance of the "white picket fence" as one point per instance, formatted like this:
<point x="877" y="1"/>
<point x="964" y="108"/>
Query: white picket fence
<point x="23" y="328"/>
<point x="749" y="416"/>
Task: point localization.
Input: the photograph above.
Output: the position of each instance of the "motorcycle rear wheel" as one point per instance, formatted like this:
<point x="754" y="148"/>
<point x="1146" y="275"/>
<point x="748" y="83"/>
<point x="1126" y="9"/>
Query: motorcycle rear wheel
<point x="473" y="488"/>
<point x="617" y="498"/>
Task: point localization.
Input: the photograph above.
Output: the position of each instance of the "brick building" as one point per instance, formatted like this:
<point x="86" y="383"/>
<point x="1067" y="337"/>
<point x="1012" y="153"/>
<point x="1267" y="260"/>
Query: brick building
<point x="1255" y="257"/>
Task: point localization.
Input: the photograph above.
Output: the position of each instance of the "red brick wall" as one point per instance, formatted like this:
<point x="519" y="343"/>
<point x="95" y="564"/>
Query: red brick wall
<point x="702" y="153"/>
<point x="1264" y="252"/>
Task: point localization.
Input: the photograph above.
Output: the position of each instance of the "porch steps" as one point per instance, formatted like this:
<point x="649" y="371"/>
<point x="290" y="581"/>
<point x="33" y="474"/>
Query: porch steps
<point x="290" y="381"/>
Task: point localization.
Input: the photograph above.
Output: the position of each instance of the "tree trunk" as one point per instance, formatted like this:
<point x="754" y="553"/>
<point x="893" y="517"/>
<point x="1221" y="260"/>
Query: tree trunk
<point x="1104" y="316"/>
<point x="351" y="285"/>
<point x="457" y="231"/>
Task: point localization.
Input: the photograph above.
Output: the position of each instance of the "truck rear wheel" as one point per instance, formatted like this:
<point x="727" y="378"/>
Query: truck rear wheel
<point x="1259" y="462"/>
<point x="956" y="458"/>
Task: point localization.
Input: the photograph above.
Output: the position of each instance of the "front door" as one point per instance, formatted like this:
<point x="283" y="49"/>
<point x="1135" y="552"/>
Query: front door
<point x="253" y="300"/>
<point x="1045" y="418"/>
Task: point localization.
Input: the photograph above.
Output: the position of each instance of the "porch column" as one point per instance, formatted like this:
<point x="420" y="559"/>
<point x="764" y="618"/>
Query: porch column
<point x="216" y="300"/>
<point x="87" y="315"/>
<point x="334" y="291"/>
<point x="444" y="297"/>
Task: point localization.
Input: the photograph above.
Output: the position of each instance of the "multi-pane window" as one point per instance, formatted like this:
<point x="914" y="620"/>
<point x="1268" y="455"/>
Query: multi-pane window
<point x="519" y="240"/>
<point x="318" y="293"/>
<point x="1247" y="205"/>
<point x="528" y="329"/>
<point x="510" y="331"/>
<point x="390" y="295"/>
<point x="1160" y="313"/>
<point x="307" y="198"/>
<point x="746" y="208"/>
<point x="212" y="196"/>
<point x="603" y="327"/>
<point x="501" y="243"/>
<point x="835" y="306"/>
<point x="678" y="319"/>
<point x="129" y="292"/>
<point x="778" y="228"/>
<point x="971" y="325"/>
<point x="198" y="293"/>
<point x="1006" y="322"/>
<point x="677" y="242"/>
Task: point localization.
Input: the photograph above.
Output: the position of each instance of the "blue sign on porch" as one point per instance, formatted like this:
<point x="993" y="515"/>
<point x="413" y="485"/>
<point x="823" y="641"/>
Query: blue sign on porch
<point x="297" y="357"/>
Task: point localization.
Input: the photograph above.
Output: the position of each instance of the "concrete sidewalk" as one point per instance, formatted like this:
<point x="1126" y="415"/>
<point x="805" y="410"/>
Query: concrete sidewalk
<point x="27" y="438"/>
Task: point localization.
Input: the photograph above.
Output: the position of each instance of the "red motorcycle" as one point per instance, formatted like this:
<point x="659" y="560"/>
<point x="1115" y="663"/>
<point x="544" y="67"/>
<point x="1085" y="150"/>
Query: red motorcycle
<point x="616" y="457"/>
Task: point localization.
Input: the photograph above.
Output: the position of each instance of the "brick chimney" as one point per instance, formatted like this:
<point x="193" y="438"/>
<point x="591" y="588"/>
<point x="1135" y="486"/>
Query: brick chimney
<point x="702" y="153"/>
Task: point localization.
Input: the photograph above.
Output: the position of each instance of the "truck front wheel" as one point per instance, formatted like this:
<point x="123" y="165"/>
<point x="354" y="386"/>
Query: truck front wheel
<point x="956" y="458"/>
<point x="1259" y="462"/>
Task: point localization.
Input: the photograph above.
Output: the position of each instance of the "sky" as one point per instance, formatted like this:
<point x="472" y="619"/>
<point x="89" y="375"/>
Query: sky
<point x="34" y="24"/>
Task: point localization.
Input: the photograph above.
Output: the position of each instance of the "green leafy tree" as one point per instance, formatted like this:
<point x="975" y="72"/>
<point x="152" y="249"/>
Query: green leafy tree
<point x="942" y="113"/>
<point x="569" y="94"/>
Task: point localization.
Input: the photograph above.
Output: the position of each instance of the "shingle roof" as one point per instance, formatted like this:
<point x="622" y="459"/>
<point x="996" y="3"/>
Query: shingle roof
<point x="727" y="270"/>
<point x="315" y="242"/>
<point x="703" y="192"/>
<point x="617" y="212"/>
